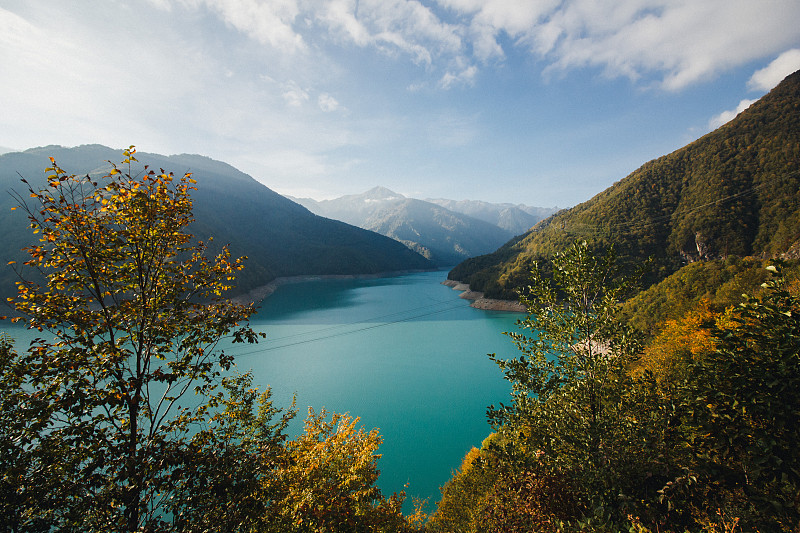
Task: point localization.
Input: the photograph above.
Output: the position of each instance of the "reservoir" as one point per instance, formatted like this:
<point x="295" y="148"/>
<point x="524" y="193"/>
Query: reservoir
<point x="405" y="354"/>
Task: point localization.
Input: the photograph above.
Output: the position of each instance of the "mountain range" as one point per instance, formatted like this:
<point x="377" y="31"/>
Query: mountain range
<point x="733" y="192"/>
<point x="444" y="231"/>
<point x="516" y="218"/>
<point x="280" y="237"/>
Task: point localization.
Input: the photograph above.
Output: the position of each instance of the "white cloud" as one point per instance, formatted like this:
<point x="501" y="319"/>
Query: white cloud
<point x="672" y="43"/>
<point x="393" y="26"/>
<point x="512" y="17"/>
<point x="762" y="80"/>
<point x="465" y="76"/>
<point x="269" y="22"/>
<point x="163" y="5"/>
<point x="339" y="16"/>
<point x="328" y="103"/>
<point x="774" y="73"/>
<point x="294" y="95"/>
<point x="677" y="43"/>
<point x="726" y="116"/>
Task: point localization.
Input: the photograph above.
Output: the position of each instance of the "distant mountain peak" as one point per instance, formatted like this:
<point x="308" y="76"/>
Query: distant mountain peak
<point x="382" y="193"/>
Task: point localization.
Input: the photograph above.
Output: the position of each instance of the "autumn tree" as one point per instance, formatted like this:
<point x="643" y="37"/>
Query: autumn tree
<point x="331" y="478"/>
<point x="244" y="474"/>
<point x="463" y="495"/>
<point x="132" y="313"/>
<point x="670" y="353"/>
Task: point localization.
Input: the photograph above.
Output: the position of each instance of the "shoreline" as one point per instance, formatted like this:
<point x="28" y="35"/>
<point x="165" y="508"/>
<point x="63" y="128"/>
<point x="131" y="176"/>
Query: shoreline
<point x="257" y="295"/>
<point x="478" y="301"/>
<point x="486" y="304"/>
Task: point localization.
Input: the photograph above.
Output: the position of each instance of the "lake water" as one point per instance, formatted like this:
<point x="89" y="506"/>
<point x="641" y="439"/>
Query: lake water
<point x="405" y="354"/>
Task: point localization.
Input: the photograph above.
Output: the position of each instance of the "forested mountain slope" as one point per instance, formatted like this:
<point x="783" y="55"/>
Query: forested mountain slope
<point x="445" y="237"/>
<point x="280" y="237"/>
<point x="735" y="191"/>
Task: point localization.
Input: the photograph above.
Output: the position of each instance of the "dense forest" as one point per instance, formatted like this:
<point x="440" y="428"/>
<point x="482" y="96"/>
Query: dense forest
<point x="733" y="192"/>
<point x="672" y="409"/>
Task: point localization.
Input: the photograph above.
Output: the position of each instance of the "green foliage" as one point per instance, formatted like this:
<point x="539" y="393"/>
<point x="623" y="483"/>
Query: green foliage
<point x="742" y="404"/>
<point x="734" y="192"/>
<point x="575" y="333"/>
<point x="577" y="415"/>
<point x="133" y="313"/>
<point x="29" y="475"/>
<point x="227" y="477"/>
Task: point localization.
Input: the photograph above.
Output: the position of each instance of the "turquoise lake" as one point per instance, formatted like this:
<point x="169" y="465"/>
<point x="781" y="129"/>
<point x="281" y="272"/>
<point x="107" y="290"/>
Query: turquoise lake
<point x="403" y="353"/>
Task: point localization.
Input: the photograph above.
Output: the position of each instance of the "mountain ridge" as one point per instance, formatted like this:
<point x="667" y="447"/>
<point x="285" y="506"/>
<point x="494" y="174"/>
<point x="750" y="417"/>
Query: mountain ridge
<point x="444" y="235"/>
<point x="516" y="218"/>
<point x="281" y="238"/>
<point x="734" y="191"/>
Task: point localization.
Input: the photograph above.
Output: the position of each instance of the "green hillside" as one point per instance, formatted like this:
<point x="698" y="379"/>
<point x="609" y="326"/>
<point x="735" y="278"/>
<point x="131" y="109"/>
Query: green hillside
<point x="733" y="192"/>
<point x="280" y="237"/>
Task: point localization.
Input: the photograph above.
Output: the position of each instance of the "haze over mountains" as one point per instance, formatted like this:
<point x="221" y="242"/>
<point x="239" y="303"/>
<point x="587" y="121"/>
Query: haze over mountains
<point x="280" y="237"/>
<point x="733" y="192"/>
<point x="516" y="218"/>
<point x="444" y="231"/>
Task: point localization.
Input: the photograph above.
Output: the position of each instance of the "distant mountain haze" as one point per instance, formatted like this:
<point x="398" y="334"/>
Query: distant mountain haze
<point x="733" y="192"/>
<point x="516" y="218"/>
<point x="279" y="237"/>
<point x="444" y="235"/>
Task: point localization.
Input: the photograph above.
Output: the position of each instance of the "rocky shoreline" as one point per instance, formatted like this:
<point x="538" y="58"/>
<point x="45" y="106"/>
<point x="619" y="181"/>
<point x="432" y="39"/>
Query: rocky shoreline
<point x="479" y="302"/>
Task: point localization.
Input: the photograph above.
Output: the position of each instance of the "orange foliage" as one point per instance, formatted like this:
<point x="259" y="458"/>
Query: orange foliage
<point x="680" y="342"/>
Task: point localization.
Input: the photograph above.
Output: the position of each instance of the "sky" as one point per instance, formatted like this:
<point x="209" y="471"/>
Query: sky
<point x="541" y="102"/>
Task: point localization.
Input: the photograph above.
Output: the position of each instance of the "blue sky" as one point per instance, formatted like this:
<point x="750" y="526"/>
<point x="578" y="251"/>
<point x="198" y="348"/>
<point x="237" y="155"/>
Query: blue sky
<point x="543" y="102"/>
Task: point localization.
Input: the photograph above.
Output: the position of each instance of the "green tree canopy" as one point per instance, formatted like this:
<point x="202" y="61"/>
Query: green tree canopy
<point x="132" y="314"/>
<point x="577" y="414"/>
